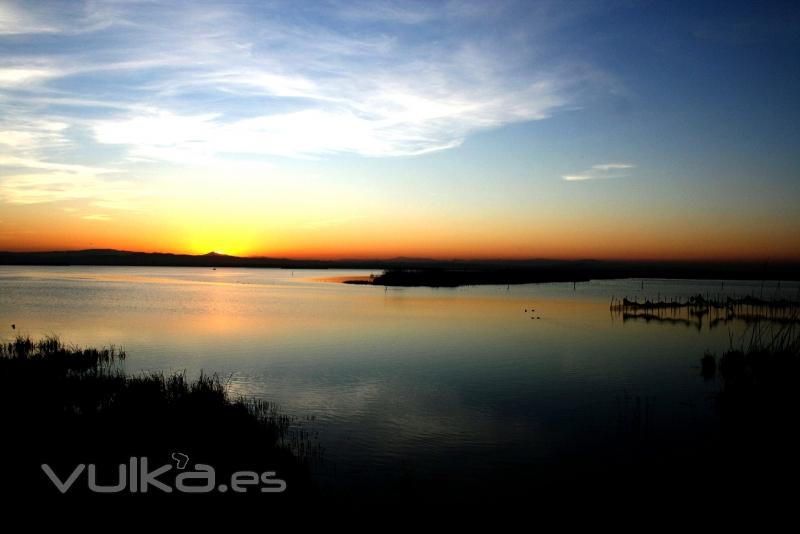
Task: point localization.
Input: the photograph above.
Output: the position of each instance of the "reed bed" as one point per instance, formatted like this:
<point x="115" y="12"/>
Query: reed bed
<point x="64" y="405"/>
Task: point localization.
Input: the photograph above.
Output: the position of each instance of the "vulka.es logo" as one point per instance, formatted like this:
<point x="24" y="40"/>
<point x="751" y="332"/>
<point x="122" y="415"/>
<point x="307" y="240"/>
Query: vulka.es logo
<point x="137" y="477"/>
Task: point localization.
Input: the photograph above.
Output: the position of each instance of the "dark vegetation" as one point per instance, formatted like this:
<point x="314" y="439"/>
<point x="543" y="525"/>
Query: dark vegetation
<point x="471" y="277"/>
<point x="758" y="382"/>
<point x="534" y="272"/>
<point x="64" y="406"/>
<point x="758" y="407"/>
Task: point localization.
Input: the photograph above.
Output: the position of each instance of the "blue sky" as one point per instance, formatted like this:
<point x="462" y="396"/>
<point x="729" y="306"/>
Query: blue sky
<point x="581" y="118"/>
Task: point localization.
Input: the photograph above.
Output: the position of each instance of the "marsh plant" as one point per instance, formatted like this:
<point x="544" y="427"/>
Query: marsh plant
<point x="757" y="402"/>
<point x="68" y="406"/>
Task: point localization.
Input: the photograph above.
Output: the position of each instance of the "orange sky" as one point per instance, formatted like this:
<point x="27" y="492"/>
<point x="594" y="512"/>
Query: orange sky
<point x="416" y="235"/>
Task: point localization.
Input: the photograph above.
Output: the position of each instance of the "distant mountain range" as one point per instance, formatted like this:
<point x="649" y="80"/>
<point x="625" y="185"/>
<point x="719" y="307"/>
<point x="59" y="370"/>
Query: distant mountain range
<point x="561" y="269"/>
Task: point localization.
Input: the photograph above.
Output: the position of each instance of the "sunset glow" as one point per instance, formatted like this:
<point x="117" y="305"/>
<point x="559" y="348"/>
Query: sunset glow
<point x="369" y="131"/>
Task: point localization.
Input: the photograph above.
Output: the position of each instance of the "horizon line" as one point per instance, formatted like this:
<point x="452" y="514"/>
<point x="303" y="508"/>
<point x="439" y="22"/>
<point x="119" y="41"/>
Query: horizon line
<point x="765" y="261"/>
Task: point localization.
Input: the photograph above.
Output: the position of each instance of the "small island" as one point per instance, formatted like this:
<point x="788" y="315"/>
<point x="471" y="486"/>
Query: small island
<point x="544" y="271"/>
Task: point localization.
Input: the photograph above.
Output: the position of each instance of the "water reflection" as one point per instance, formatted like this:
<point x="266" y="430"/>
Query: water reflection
<point x="406" y="384"/>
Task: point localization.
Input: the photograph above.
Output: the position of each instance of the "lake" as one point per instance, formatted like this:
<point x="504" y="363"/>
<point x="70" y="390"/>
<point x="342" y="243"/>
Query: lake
<point x="404" y="386"/>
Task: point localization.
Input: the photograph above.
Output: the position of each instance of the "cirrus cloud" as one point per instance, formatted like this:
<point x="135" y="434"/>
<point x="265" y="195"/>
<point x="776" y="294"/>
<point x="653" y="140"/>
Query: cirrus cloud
<point x="601" y="171"/>
<point x="192" y="82"/>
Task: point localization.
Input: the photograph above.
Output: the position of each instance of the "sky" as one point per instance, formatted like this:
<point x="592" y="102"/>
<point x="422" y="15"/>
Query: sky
<point x="492" y="129"/>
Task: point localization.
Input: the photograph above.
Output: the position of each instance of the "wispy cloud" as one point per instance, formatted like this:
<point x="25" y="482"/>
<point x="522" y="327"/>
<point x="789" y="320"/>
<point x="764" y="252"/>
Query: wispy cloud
<point x="19" y="76"/>
<point x="226" y="80"/>
<point x="14" y="19"/>
<point x="406" y="12"/>
<point x="29" y="181"/>
<point x="129" y="89"/>
<point x="70" y="18"/>
<point x="601" y="171"/>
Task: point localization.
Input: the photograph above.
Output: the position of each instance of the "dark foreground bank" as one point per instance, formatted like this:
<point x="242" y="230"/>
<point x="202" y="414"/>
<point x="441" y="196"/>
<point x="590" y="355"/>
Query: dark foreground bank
<point x="76" y="427"/>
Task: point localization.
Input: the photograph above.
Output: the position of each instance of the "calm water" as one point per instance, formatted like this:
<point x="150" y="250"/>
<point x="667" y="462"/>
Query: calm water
<point x="400" y="385"/>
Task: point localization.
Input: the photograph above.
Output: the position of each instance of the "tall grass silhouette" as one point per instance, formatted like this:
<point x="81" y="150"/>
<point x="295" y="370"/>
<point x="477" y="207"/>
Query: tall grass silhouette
<point x="64" y="405"/>
<point x="758" y="403"/>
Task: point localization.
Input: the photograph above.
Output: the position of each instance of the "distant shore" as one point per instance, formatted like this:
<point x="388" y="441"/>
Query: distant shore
<point x="432" y="272"/>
